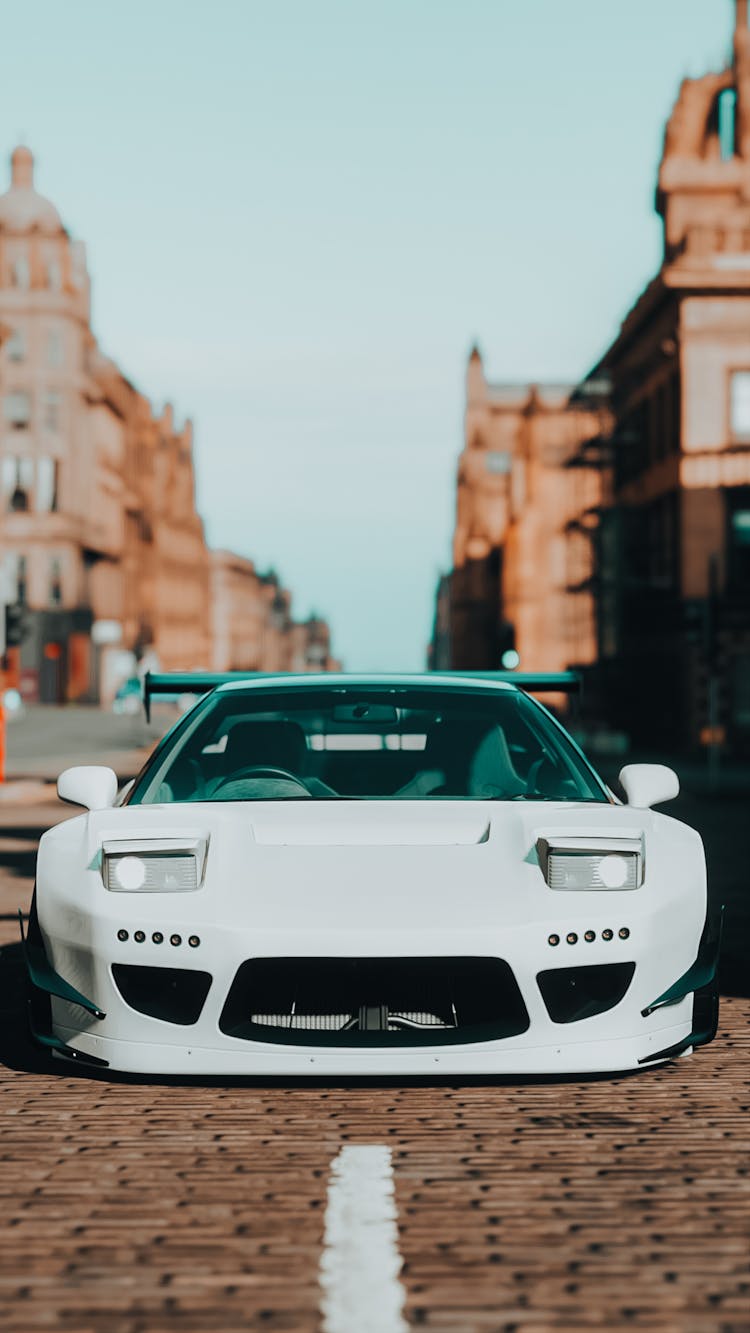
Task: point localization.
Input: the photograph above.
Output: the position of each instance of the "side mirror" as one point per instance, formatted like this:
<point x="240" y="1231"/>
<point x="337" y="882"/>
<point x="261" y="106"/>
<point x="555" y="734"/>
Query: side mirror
<point x="649" y="784"/>
<point x="89" y="785"/>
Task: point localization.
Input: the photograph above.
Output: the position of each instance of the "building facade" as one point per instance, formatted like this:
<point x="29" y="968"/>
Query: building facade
<point x="641" y="489"/>
<point x="520" y="582"/>
<point x="101" y="542"/>
<point x="673" y="541"/>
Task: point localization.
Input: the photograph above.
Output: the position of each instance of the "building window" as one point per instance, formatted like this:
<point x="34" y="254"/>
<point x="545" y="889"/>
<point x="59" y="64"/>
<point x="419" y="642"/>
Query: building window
<point x="497" y="462"/>
<point x="55" y="583"/>
<point x="20" y="273"/>
<point x="726" y="107"/>
<point x="52" y="411"/>
<point x="17" y="408"/>
<point x="15" y="577"/>
<point x="738" y="540"/>
<point x="55" y="348"/>
<point x="54" y="276"/>
<point x="739" y="404"/>
<point x="16" y="345"/>
<point x="21" y="580"/>
<point x="47" y="479"/>
<point x="17" y="477"/>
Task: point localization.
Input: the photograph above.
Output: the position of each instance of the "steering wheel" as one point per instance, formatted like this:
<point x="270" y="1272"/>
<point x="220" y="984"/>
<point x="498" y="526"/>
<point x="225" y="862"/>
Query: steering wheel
<point x="263" y="771"/>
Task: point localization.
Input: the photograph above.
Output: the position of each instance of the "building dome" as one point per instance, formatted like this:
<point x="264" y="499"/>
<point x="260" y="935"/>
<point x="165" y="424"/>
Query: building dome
<point x="21" y="208"/>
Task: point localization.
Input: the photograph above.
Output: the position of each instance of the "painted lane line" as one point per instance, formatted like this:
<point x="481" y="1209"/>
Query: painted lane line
<point x="360" y="1264"/>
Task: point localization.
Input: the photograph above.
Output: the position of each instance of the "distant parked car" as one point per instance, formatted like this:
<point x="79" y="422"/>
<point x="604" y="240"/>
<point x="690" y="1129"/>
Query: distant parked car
<point x="379" y="874"/>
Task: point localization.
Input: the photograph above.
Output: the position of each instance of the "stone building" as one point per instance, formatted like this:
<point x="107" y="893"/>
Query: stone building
<point x="520" y="580"/>
<point x="641" y="488"/>
<point x="672" y="545"/>
<point x="252" y="625"/>
<point x="100" y="538"/>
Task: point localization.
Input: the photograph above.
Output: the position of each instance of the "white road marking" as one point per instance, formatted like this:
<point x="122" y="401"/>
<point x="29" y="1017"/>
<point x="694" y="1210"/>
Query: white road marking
<point x="360" y="1264"/>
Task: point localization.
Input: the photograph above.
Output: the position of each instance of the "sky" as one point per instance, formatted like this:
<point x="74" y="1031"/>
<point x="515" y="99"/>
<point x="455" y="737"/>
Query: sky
<point x="300" y="215"/>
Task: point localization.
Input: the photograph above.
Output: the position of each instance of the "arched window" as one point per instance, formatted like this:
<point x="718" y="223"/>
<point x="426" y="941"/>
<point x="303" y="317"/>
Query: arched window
<point x="17" y="408"/>
<point x="16" y="345"/>
<point x="17" y="481"/>
<point x="20" y="272"/>
<point x="55" y="583"/>
<point x="726" y="106"/>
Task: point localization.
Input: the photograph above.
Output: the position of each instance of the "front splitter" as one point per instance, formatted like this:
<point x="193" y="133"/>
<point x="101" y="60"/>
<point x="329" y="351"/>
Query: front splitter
<point x="488" y="1058"/>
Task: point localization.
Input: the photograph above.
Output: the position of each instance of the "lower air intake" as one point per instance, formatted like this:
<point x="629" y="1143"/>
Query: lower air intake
<point x="572" y="993"/>
<point x="374" y="1001"/>
<point x="173" y="994"/>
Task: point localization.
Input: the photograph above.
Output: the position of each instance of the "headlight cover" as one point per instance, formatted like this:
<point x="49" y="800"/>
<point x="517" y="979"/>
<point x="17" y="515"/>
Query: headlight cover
<point x="164" y="865"/>
<point x="585" y="868"/>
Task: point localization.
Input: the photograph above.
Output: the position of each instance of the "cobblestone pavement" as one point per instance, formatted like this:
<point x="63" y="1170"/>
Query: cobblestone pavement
<point x="134" y="1207"/>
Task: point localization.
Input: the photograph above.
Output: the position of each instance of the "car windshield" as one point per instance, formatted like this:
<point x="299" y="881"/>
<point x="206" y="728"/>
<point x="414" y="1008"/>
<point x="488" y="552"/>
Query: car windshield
<point x="349" y="743"/>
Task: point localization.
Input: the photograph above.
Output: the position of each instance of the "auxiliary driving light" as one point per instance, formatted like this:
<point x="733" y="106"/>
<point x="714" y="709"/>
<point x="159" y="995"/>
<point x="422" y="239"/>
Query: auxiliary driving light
<point x="139" y="936"/>
<point x="157" y="937"/>
<point x="589" y="936"/>
<point x="572" y="938"/>
<point x="623" y="932"/>
<point x="175" y="940"/>
<point x="607" y="934"/>
<point x="122" y="935"/>
<point x="553" y="940"/>
<point x="193" y="941"/>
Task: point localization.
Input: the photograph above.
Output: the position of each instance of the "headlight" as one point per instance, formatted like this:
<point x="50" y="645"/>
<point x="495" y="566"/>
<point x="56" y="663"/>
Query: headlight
<point x="163" y="866"/>
<point x="582" y="869"/>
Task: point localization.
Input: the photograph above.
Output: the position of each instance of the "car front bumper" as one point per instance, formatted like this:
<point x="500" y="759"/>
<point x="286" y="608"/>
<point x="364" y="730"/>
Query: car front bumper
<point x="630" y="1033"/>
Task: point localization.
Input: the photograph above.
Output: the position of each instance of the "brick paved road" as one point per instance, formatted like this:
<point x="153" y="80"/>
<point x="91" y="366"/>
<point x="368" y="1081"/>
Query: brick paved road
<point x="617" y="1203"/>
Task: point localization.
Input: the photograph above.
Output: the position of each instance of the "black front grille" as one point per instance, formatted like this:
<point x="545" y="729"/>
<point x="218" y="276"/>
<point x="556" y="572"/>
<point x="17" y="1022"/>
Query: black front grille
<point x="572" y="993"/>
<point x="173" y="994"/>
<point x="374" y="1001"/>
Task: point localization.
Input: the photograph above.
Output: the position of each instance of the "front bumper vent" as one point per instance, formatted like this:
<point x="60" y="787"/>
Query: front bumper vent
<point x="173" y="994"/>
<point x="374" y="1001"/>
<point x="573" y="993"/>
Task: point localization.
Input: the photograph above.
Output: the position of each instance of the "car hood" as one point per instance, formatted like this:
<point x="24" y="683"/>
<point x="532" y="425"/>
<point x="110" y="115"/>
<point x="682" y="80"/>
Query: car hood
<point x="433" y="874"/>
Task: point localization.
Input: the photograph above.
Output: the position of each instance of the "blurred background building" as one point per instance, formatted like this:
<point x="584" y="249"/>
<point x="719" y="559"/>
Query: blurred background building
<point x="607" y="525"/>
<point x="102" y="551"/>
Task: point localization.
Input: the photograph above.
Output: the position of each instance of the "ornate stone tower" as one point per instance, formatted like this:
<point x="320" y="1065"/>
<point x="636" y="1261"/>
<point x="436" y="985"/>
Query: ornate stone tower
<point x="703" y="192"/>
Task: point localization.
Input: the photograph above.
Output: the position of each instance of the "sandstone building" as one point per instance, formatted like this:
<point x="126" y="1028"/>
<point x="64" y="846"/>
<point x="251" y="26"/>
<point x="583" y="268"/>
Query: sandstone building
<point x="658" y="447"/>
<point x="100" y="539"/>
<point x="520" y="580"/>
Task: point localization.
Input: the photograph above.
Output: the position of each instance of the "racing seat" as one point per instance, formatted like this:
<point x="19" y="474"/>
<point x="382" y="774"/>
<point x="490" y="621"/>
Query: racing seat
<point x="465" y="759"/>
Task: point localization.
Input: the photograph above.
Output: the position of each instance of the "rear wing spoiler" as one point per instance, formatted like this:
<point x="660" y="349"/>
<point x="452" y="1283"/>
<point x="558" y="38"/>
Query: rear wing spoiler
<point x="202" y="682"/>
<point x="192" y="682"/>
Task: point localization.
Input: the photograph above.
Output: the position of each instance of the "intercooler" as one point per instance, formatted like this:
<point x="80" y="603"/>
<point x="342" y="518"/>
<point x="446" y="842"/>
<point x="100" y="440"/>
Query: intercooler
<point x="374" y="1001"/>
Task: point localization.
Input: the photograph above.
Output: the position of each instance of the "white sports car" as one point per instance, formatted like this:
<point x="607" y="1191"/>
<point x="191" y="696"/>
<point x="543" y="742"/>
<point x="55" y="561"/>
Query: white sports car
<point x="373" y="875"/>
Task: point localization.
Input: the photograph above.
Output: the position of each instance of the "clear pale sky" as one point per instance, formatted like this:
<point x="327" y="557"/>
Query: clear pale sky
<point x="301" y="213"/>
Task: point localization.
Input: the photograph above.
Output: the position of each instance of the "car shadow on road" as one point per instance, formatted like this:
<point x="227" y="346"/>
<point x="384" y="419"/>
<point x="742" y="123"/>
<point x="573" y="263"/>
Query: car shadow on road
<point x="20" y="862"/>
<point x="17" y="1051"/>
